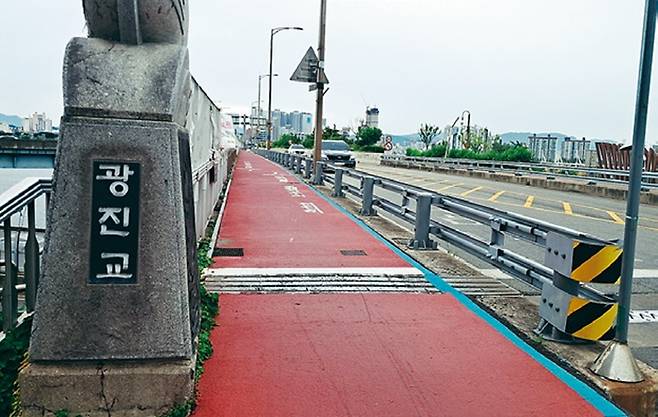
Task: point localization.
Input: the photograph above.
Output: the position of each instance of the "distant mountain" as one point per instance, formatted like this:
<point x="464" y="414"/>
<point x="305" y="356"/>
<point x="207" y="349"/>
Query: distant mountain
<point x="11" y="120"/>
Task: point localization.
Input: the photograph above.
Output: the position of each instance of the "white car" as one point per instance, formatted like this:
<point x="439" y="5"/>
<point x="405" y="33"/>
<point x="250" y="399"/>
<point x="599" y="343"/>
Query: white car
<point x="296" y="149"/>
<point x="337" y="152"/>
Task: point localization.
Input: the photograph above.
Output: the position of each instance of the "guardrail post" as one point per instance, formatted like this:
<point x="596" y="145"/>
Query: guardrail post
<point x="319" y="171"/>
<point x="497" y="239"/>
<point x="9" y="295"/>
<point x="298" y="164"/>
<point x="421" y="240"/>
<point x="367" y="199"/>
<point x="338" y="183"/>
<point x="31" y="260"/>
<point x="307" y="169"/>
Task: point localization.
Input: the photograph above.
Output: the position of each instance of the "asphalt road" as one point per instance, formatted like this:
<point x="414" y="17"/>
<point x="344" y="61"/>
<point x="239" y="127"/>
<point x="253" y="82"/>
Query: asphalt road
<point x="597" y="216"/>
<point x="594" y="215"/>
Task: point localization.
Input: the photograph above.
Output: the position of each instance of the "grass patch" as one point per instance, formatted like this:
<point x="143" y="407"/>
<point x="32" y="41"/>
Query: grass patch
<point x="12" y="352"/>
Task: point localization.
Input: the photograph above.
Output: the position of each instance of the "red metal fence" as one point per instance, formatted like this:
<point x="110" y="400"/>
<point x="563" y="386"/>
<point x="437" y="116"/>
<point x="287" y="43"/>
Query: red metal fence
<point x="612" y="156"/>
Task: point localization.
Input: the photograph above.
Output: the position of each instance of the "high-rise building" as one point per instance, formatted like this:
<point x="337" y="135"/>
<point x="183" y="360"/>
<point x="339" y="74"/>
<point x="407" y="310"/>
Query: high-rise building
<point x="372" y="117"/>
<point x="307" y="123"/>
<point x="296" y="121"/>
<point x="543" y="148"/>
<point x="38" y="122"/>
<point x="574" y="150"/>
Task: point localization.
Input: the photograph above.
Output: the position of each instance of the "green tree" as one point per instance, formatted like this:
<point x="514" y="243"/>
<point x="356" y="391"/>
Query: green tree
<point x="427" y="134"/>
<point x="368" y="136"/>
<point x="308" y="142"/>
<point x="330" y="133"/>
<point x="285" y="141"/>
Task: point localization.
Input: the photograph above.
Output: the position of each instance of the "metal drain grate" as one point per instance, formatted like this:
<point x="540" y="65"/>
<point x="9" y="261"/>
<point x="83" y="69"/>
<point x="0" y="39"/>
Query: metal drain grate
<point x="353" y="252"/>
<point x="228" y="252"/>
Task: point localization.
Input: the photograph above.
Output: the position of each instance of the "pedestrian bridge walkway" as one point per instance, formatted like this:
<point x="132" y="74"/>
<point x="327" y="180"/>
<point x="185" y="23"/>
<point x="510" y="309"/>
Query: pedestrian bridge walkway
<point x="319" y="316"/>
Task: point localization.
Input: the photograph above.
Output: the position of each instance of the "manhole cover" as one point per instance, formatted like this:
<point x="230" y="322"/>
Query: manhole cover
<point x="228" y="252"/>
<point x="353" y="252"/>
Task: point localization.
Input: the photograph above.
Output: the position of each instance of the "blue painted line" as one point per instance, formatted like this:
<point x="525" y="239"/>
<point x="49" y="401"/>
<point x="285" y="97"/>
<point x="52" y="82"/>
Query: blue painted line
<point x="602" y="404"/>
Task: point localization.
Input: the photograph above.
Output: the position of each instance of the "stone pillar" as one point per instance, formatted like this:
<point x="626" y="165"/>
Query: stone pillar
<point x="117" y="309"/>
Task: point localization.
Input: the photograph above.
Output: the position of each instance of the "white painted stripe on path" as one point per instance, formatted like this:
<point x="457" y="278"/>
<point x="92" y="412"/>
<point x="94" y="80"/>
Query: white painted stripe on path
<point x="275" y="272"/>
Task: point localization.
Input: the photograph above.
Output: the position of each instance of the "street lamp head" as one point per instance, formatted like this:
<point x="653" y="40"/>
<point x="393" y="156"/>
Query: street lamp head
<point x="279" y="29"/>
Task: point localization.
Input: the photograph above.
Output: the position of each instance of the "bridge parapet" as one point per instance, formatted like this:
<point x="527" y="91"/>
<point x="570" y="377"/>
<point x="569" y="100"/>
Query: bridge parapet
<point x="117" y="308"/>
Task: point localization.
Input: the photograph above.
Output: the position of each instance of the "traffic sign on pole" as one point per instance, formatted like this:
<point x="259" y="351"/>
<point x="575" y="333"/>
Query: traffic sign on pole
<point x="307" y="70"/>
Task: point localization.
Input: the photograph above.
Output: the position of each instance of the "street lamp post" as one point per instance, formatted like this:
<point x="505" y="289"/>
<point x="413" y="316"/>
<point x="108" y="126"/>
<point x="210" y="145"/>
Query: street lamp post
<point x="260" y="77"/>
<point x="617" y="362"/>
<point x="269" y="105"/>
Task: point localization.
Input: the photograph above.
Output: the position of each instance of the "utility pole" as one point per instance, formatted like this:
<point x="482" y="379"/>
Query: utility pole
<point x="317" y="152"/>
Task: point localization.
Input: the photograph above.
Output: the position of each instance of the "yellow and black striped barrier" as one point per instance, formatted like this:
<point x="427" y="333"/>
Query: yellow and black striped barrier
<point x="591" y="320"/>
<point x="577" y="262"/>
<point x="600" y="264"/>
<point x="578" y="317"/>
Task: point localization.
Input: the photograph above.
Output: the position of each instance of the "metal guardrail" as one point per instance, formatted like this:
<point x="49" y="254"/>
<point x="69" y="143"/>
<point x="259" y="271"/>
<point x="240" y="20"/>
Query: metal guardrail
<point x="416" y="207"/>
<point x="550" y="171"/>
<point x="22" y="196"/>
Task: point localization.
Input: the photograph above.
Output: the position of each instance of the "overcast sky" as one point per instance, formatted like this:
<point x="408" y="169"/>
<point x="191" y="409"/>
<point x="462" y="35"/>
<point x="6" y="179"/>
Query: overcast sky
<point x="518" y="65"/>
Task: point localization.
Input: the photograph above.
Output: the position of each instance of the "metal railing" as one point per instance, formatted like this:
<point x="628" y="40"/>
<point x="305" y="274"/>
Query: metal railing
<point x="418" y="207"/>
<point x="22" y="196"/>
<point x="549" y="171"/>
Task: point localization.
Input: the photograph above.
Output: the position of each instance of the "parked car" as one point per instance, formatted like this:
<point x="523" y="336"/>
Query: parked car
<point x="296" y="149"/>
<point x="337" y="152"/>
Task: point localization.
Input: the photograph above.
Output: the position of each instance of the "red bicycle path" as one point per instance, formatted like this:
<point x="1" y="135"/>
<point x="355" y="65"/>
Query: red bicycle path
<point x="371" y="354"/>
<point x="280" y="222"/>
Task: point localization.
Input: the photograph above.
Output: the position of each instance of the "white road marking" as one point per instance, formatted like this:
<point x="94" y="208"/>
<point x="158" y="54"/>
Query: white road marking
<point x="273" y="272"/>
<point x="644" y="316"/>
<point x="638" y="273"/>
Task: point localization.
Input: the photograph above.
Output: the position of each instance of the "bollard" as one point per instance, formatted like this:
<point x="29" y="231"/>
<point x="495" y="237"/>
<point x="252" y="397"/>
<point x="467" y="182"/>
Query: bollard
<point x="421" y="240"/>
<point x="368" y="186"/>
<point x="319" y="171"/>
<point x="338" y="183"/>
<point x="307" y="168"/>
<point x="298" y="165"/>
